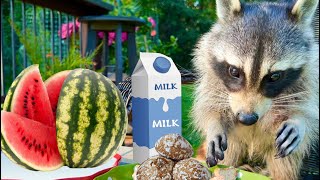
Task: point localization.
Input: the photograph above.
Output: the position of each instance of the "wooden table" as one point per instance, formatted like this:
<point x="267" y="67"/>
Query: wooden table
<point x="118" y="24"/>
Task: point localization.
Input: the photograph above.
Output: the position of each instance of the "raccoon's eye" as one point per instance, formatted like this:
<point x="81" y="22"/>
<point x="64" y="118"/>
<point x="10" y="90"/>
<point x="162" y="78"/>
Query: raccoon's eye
<point x="234" y="72"/>
<point x="276" y="76"/>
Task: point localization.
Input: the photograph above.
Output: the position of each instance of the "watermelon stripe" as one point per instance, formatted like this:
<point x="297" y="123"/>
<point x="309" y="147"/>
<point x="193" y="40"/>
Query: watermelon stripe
<point x="89" y="87"/>
<point x="64" y="111"/>
<point x="84" y="121"/>
<point x="102" y="86"/>
<point x="120" y="138"/>
<point x="8" y="99"/>
<point x="93" y="142"/>
<point x="113" y="132"/>
<point x="119" y="110"/>
<point x="73" y="125"/>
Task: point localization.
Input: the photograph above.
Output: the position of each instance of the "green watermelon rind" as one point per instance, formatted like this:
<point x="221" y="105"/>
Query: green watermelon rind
<point x="7" y="107"/>
<point x="72" y="98"/>
<point x="7" y="151"/>
<point x="8" y="99"/>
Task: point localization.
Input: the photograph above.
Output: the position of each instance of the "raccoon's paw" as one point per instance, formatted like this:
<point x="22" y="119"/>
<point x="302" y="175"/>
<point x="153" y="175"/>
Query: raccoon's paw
<point x="216" y="147"/>
<point x="287" y="140"/>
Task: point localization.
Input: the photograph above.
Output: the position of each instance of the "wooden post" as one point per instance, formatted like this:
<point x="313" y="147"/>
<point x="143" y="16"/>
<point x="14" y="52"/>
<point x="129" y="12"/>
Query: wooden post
<point x="119" y="61"/>
<point x="132" y="51"/>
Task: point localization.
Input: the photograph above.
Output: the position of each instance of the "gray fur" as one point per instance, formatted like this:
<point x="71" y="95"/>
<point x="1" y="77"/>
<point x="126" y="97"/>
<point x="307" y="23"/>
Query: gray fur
<point x="259" y="39"/>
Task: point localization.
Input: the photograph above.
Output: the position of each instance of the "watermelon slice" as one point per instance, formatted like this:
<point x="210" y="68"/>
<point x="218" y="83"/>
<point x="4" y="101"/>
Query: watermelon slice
<point x="30" y="98"/>
<point x="28" y="141"/>
<point x="8" y="99"/>
<point x="54" y="85"/>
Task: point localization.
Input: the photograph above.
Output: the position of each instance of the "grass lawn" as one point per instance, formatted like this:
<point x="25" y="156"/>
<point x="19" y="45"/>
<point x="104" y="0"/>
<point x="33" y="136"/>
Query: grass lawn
<point x="187" y="128"/>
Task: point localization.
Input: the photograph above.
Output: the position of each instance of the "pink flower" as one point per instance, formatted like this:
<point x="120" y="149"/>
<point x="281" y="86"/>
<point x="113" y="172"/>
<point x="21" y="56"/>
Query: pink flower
<point x="112" y="37"/>
<point x="153" y="33"/>
<point x="67" y="29"/>
<point x="152" y="21"/>
<point x="101" y="34"/>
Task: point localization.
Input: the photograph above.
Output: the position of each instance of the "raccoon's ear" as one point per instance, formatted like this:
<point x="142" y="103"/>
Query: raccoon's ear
<point x="304" y="10"/>
<point x="226" y="8"/>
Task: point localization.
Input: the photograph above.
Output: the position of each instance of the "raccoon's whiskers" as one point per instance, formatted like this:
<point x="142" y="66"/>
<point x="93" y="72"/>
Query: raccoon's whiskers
<point x="299" y="94"/>
<point x="284" y="105"/>
<point x="218" y="90"/>
<point x="215" y="96"/>
<point x="220" y="104"/>
<point x="289" y="101"/>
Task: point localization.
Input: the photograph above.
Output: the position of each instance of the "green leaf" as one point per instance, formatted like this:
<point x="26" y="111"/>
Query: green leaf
<point x="33" y="45"/>
<point x="123" y="172"/>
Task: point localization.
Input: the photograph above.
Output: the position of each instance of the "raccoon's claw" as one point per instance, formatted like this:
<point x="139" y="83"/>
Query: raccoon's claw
<point x="287" y="140"/>
<point x="215" y="150"/>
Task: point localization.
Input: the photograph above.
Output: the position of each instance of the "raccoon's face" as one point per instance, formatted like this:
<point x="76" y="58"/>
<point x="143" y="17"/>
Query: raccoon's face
<point x="259" y="53"/>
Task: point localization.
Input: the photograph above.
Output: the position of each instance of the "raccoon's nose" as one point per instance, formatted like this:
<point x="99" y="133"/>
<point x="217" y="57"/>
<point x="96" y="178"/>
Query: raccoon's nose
<point x="247" y="118"/>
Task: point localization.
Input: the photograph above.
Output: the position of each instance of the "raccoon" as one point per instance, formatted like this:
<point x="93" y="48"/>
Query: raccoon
<point x="257" y="94"/>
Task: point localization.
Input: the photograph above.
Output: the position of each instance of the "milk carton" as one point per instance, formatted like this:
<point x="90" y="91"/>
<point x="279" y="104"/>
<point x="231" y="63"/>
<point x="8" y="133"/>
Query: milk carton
<point x="156" y="103"/>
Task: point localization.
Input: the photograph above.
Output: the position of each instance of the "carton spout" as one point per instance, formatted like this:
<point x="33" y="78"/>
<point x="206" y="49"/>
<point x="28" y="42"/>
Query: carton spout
<point x="161" y="64"/>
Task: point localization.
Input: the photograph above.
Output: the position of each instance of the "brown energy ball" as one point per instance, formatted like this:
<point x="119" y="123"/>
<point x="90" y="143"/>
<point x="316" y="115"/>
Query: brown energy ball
<point x="156" y="168"/>
<point x="174" y="146"/>
<point x="190" y="169"/>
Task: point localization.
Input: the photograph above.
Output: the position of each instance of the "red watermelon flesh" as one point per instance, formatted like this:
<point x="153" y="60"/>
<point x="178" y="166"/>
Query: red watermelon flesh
<point x="30" y="98"/>
<point x="32" y="142"/>
<point x="53" y="86"/>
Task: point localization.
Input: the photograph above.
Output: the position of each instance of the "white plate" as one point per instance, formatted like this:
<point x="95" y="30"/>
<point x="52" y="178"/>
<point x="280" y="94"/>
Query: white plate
<point x="10" y="170"/>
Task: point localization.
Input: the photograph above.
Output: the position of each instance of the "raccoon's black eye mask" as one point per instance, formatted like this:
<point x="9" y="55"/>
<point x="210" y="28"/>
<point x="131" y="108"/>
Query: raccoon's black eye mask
<point x="275" y="83"/>
<point x="272" y="84"/>
<point x="232" y="77"/>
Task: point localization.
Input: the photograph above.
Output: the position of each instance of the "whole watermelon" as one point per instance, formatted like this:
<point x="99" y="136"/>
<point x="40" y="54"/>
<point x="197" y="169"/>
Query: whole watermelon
<point x="91" y="119"/>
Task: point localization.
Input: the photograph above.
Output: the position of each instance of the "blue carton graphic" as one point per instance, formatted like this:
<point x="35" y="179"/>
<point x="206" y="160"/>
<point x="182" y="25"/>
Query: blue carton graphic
<point x="151" y="114"/>
<point x="156" y="103"/>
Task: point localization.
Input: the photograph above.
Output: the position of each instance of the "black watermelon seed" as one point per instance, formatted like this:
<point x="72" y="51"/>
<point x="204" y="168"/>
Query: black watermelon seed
<point x="32" y="98"/>
<point x="39" y="146"/>
<point x="27" y="92"/>
<point x="36" y="80"/>
<point x="34" y="142"/>
<point x="30" y="145"/>
<point x="33" y="103"/>
<point x="27" y="141"/>
<point x="25" y="96"/>
<point x="42" y="153"/>
<point x="25" y="101"/>
<point x="45" y="146"/>
<point x="23" y="138"/>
